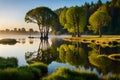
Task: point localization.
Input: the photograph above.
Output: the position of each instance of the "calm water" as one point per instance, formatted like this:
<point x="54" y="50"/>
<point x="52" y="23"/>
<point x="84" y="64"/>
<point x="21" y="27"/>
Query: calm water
<point x="59" y="53"/>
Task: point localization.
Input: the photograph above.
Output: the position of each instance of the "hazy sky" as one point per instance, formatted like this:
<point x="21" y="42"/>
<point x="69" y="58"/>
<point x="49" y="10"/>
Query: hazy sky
<point x="12" y="12"/>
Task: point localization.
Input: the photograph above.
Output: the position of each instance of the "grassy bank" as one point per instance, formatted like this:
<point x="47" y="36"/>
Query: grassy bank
<point x="9" y="70"/>
<point x="8" y="41"/>
<point x="67" y="74"/>
<point x="103" y="41"/>
<point x="37" y="70"/>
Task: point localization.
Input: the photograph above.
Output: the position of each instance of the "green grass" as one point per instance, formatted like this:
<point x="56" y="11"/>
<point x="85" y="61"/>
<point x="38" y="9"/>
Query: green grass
<point x="8" y="62"/>
<point x="8" y="41"/>
<point x="103" y="41"/>
<point x="67" y="74"/>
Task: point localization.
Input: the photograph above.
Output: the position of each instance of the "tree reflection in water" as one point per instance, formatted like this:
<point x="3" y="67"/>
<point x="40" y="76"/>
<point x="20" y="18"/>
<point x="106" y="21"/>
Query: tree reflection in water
<point x="101" y="61"/>
<point x="46" y="53"/>
<point x="74" y="54"/>
<point x="84" y="56"/>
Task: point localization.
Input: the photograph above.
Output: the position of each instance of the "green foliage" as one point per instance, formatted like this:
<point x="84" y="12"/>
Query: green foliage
<point x="75" y="19"/>
<point x="113" y="77"/>
<point x="104" y="7"/>
<point x="32" y="72"/>
<point x="115" y="3"/>
<point x="71" y="54"/>
<point x="99" y="60"/>
<point x="40" y="66"/>
<point x="8" y="62"/>
<point x="98" y="20"/>
<point x="35" y="72"/>
<point x="67" y="74"/>
<point x="8" y="41"/>
<point x="62" y="17"/>
<point x="15" y="74"/>
<point x="43" y="17"/>
<point x="40" y="15"/>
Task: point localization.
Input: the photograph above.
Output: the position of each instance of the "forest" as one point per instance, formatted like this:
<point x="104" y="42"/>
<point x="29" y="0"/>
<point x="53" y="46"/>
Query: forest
<point x="111" y="7"/>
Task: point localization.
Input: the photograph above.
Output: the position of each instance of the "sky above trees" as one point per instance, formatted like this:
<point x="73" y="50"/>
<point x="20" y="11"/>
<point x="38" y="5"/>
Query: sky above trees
<point x="12" y="12"/>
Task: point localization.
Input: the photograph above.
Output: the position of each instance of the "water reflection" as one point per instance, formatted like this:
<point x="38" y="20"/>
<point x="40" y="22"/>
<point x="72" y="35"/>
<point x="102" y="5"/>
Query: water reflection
<point x="46" y="53"/>
<point x="84" y="56"/>
<point x="74" y="54"/>
<point x="22" y="40"/>
<point x="99" y="58"/>
<point x="31" y="41"/>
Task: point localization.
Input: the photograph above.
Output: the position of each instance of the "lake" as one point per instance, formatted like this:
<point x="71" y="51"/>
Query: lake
<point x="55" y="52"/>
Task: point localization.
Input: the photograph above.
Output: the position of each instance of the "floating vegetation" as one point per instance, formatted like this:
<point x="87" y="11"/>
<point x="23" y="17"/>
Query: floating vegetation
<point x="8" y="41"/>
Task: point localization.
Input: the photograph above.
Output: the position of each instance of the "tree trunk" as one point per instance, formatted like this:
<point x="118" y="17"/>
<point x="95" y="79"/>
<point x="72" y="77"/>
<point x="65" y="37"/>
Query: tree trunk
<point x="100" y="32"/>
<point x="74" y="32"/>
<point x="99" y="50"/>
<point x="78" y="32"/>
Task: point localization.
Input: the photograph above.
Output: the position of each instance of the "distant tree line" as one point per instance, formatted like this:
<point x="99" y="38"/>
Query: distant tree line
<point x="19" y="31"/>
<point x="109" y="11"/>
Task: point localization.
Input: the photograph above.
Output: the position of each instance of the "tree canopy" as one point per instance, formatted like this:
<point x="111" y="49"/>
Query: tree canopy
<point x="98" y="20"/>
<point x="74" y="19"/>
<point x="43" y="17"/>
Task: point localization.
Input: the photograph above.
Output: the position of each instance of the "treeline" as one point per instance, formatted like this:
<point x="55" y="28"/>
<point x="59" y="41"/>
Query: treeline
<point x="111" y="7"/>
<point x="19" y="31"/>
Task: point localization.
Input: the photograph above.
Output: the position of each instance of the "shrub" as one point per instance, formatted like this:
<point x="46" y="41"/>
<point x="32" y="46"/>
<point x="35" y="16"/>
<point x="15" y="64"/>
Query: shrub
<point x="8" y="62"/>
<point x="15" y="74"/>
<point x="31" y="70"/>
<point x="67" y="74"/>
<point x="40" y="66"/>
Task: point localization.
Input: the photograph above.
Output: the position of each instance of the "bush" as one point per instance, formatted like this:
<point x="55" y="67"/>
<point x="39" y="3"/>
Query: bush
<point x="8" y="41"/>
<point x="67" y="74"/>
<point x="21" y="73"/>
<point x="8" y="62"/>
<point x="40" y="66"/>
<point x="10" y="71"/>
<point x="36" y="73"/>
<point x="15" y="74"/>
